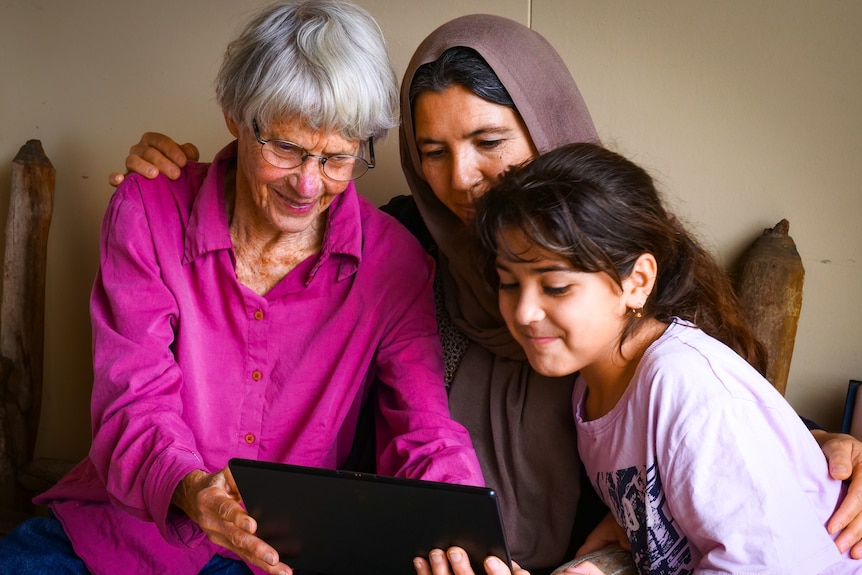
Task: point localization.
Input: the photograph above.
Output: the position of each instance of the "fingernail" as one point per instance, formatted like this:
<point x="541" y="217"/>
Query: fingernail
<point x="843" y="547"/>
<point x="417" y="564"/>
<point x="455" y="555"/>
<point x="437" y="556"/>
<point x="493" y="563"/>
<point x="269" y="559"/>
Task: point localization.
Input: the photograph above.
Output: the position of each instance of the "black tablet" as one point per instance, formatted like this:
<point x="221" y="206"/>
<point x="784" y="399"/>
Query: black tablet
<point x="330" y="522"/>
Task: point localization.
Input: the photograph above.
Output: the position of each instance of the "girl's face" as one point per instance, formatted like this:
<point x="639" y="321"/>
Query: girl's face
<point x="464" y="143"/>
<point x="566" y="320"/>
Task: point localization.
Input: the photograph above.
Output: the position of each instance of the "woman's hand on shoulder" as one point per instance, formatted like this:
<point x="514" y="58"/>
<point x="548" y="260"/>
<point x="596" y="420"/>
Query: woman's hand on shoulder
<point x="455" y="562"/>
<point x="213" y="502"/>
<point x="154" y="154"/>
<point x="844" y="454"/>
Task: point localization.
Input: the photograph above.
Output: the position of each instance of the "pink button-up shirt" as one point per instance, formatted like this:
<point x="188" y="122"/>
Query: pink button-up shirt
<point x="193" y="368"/>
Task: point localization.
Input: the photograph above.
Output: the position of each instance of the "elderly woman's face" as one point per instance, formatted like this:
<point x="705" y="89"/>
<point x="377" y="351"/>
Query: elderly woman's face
<point x="291" y="200"/>
<point x="464" y="143"/>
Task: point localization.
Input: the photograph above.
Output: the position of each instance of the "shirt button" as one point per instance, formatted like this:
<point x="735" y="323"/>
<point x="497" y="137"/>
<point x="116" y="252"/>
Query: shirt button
<point x="256" y="375"/>
<point x="258" y="315"/>
<point x="249" y="438"/>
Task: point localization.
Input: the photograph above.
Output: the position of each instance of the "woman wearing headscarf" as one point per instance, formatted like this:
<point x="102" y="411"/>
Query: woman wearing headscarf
<point x="520" y="421"/>
<point x="480" y="94"/>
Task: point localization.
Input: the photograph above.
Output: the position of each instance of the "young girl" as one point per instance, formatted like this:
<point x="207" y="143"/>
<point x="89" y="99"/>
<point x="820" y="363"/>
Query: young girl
<point x="701" y="461"/>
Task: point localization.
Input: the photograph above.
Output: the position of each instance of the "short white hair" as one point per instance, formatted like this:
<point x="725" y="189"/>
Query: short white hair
<point x="323" y="61"/>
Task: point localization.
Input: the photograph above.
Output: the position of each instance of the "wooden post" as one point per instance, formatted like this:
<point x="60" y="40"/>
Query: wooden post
<point x="768" y="281"/>
<point x="22" y="309"/>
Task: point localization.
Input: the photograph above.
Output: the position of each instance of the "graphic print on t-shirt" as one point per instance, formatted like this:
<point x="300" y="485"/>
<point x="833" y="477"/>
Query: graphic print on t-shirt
<point x="639" y="504"/>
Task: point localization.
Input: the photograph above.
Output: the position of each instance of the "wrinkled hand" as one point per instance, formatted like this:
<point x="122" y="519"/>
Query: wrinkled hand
<point x="213" y="502"/>
<point x="608" y="531"/>
<point x="844" y="455"/>
<point x="455" y="560"/>
<point x="154" y="154"/>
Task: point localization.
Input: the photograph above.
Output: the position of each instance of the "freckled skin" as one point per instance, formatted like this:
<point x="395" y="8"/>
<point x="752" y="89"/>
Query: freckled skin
<point x="279" y="215"/>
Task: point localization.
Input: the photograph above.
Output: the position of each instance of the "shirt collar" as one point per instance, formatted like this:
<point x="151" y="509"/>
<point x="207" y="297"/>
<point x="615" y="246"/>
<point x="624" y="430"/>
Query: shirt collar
<point x="343" y="233"/>
<point x="208" y="228"/>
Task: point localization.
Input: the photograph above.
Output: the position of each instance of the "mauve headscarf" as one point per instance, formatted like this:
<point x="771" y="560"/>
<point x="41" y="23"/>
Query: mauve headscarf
<point x="520" y="421"/>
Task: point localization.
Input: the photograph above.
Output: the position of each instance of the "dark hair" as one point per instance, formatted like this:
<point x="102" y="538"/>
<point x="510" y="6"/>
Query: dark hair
<point x="600" y="212"/>
<point x="460" y="66"/>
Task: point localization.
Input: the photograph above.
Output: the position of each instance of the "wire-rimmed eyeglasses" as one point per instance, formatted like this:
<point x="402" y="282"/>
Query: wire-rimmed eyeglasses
<point x="338" y="167"/>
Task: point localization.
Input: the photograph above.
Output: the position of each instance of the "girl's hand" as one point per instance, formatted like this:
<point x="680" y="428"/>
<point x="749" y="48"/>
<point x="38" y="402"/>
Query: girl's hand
<point x="455" y="561"/>
<point x="607" y="532"/>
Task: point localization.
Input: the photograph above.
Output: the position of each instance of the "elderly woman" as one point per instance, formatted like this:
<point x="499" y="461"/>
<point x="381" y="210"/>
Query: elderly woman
<point x="244" y="309"/>
<point x="480" y="94"/>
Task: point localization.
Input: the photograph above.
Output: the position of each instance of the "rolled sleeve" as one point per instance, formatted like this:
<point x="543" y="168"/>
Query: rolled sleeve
<point x="136" y="410"/>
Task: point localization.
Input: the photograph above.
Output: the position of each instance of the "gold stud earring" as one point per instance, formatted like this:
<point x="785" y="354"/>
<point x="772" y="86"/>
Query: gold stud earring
<point x="638" y="313"/>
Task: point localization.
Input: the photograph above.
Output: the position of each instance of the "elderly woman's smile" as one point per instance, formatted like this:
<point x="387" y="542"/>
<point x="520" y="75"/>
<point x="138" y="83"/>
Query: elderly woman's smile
<point x="287" y="200"/>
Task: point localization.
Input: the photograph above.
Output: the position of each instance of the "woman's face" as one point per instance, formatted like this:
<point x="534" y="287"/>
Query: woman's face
<point x="464" y="143"/>
<point x="289" y="200"/>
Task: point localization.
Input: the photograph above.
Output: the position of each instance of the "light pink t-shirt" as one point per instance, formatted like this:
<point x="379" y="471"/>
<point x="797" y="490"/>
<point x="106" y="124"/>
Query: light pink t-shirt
<point x="709" y="469"/>
<point x="193" y="368"/>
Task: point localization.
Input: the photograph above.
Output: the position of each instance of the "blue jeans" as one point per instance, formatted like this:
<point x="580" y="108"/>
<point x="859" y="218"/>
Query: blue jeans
<point x="39" y="546"/>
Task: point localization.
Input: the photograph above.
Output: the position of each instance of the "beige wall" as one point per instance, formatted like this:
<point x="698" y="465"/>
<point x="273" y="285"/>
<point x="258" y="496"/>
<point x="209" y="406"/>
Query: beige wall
<point x="748" y="112"/>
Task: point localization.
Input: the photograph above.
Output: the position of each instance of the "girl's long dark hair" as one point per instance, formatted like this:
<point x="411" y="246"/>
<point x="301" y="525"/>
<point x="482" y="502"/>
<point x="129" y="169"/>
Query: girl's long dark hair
<point x="600" y="211"/>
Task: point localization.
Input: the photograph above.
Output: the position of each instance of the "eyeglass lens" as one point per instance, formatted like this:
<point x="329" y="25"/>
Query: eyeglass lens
<point x="343" y="167"/>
